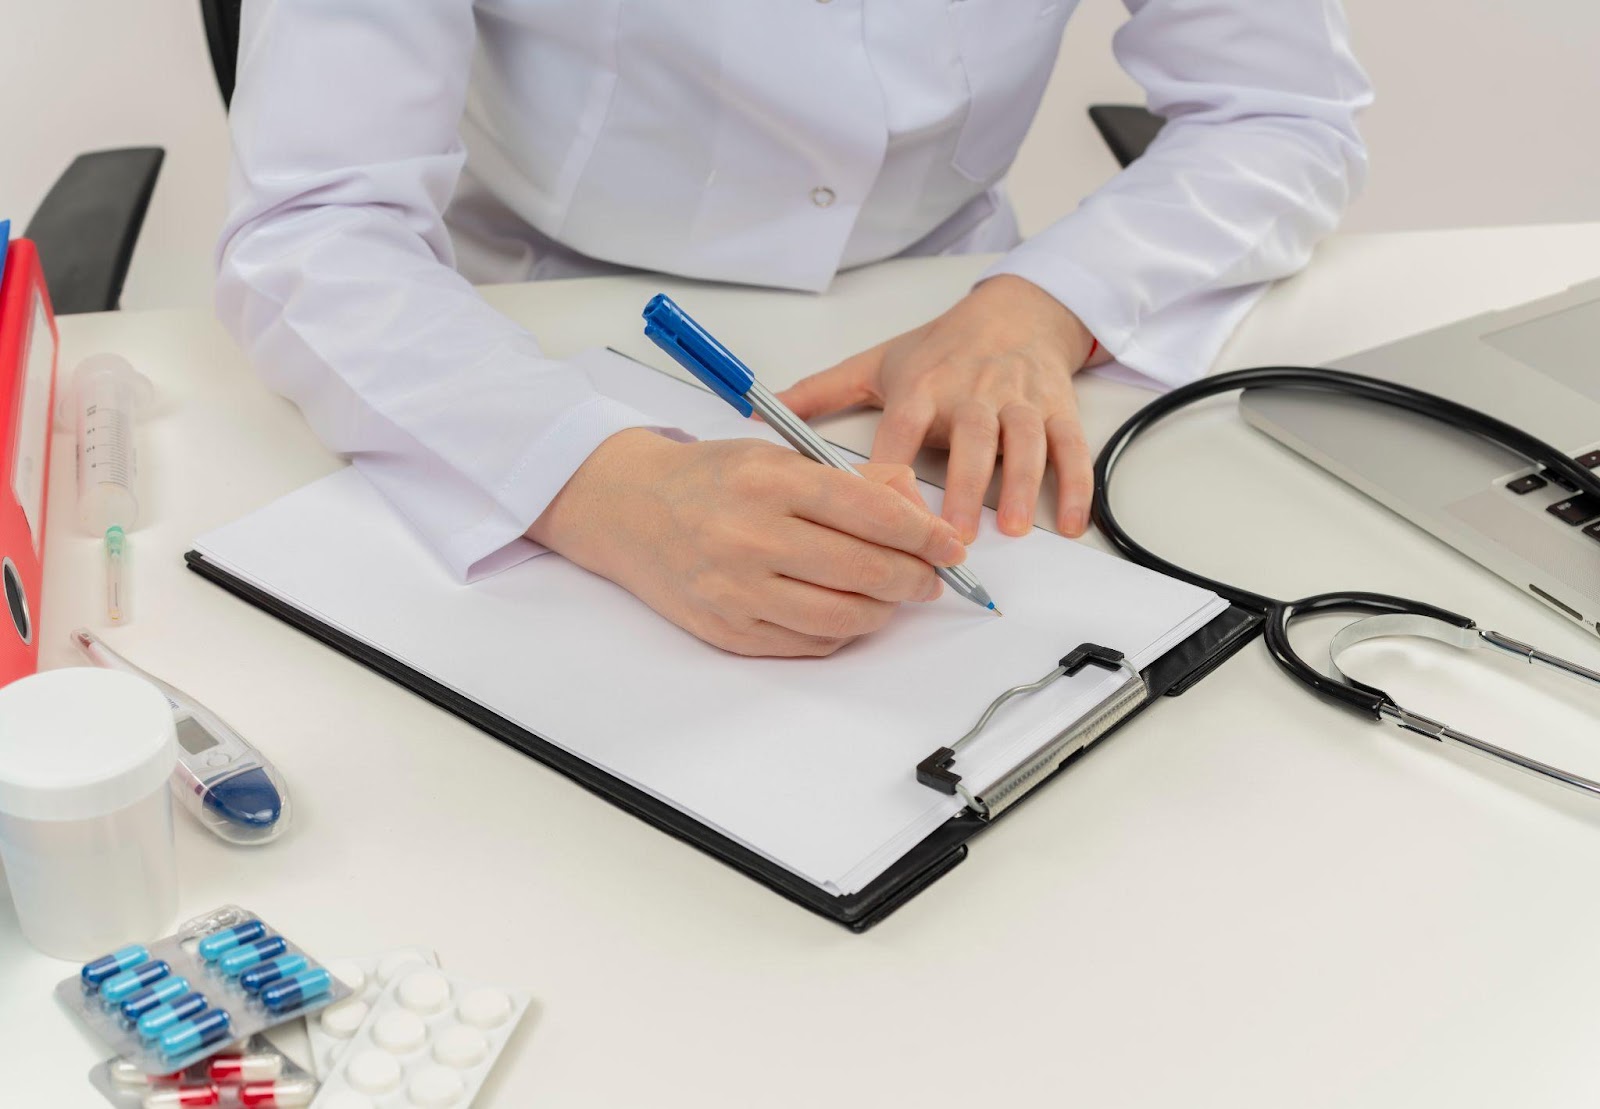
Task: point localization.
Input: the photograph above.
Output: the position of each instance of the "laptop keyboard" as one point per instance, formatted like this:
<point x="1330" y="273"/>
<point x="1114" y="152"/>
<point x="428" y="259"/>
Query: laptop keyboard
<point x="1577" y="511"/>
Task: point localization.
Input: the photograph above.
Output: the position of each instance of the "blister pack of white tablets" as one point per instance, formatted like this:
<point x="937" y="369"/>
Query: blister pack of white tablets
<point x="428" y="1043"/>
<point x="331" y="1030"/>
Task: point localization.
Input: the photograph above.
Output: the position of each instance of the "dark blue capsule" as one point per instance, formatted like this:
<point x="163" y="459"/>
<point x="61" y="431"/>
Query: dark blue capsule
<point x="217" y="942"/>
<point x="207" y="1028"/>
<point x="163" y="991"/>
<point x="119" y="987"/>
<point x="308" y="985"/>
<point x="272" y="970"/>
<point x="96" y="972"/>
<point x="236" y="959"/>
<point x="158" y="1020"/>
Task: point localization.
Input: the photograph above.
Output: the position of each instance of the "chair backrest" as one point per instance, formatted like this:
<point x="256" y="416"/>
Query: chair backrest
<point x="86" y="226"/>
<point x="1126" y="128"/>
<point x="222" y="37"/>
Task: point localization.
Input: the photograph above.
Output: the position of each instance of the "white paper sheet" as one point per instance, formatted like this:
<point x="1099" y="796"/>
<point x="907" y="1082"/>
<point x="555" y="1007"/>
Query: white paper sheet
<point x="809" y="762"/>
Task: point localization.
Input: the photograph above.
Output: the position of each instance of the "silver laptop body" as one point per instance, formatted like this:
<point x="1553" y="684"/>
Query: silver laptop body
<point x="1536" y="366"/>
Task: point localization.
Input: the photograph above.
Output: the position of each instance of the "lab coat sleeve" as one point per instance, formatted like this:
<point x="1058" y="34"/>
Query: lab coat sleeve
<point x="335" y="275"/>
<point x="1258" y="158"/>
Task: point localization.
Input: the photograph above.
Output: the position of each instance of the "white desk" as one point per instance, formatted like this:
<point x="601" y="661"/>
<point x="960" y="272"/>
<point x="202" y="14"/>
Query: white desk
<point x="1245" y="899"/>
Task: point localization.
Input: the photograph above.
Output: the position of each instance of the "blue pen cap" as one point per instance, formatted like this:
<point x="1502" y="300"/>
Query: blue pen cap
<point x="693" y="348"/>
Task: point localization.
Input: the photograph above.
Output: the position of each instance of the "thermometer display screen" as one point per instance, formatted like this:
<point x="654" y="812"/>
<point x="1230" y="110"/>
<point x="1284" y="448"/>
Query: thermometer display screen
<point x="193" y="737"/>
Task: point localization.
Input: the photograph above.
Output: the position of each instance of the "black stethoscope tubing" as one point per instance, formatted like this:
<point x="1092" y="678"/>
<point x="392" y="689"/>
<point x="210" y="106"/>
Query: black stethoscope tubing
<point x="1279" y="615"/>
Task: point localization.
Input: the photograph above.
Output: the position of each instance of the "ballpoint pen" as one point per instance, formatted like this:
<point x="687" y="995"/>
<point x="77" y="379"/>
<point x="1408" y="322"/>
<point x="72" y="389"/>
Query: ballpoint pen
<point x="694" y="348"/>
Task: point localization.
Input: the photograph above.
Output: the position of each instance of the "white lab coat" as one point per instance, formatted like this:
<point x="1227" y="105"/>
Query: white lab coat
<point x="770" y="142"/>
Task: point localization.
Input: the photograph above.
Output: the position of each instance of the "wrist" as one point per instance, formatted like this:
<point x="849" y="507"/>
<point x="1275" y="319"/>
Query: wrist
<point x="578" y="514"/>
<point x="1072" y="336"/>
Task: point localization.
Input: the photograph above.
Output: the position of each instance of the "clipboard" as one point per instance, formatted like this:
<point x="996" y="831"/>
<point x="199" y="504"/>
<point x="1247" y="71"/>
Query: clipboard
<point x="936" y="855"/>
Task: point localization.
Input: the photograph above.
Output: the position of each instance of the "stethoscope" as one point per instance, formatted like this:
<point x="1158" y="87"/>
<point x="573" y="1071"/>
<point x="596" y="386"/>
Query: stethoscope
<point x="1382" y="615"/>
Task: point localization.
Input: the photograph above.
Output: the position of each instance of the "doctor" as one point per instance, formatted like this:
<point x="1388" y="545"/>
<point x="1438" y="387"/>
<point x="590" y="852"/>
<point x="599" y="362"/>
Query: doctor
<point x="387" y="154"/>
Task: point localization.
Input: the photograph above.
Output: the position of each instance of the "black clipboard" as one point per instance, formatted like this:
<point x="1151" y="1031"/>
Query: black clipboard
<point x="1170" y="675"/>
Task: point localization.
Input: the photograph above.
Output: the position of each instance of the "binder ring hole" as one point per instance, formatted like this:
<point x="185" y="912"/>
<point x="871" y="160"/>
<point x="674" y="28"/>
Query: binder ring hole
<point x="17" y="600"/>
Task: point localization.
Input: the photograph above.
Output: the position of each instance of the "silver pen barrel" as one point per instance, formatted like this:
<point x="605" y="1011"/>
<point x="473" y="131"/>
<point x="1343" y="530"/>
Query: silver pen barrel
<point x="799" y="435"/>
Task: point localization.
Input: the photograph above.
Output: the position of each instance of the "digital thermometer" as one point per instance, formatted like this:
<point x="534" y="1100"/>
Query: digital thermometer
<point x="227" y="784"/>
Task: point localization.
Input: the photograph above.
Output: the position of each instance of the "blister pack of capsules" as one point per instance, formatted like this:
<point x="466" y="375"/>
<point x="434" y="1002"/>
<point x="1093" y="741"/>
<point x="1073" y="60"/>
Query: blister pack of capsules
<point x="249" y="1075"/>
<point x="331" y="1030"/>
<point x="166" y="1005"/>
<point x="428" y="1043"/>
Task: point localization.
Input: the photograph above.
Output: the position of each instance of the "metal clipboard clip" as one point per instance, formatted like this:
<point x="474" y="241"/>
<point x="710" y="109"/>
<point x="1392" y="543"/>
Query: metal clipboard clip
<point x="935" y="773"/>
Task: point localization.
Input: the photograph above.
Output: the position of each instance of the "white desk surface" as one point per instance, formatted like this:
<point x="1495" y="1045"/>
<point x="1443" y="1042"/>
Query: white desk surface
<point x="1246" y="899"/>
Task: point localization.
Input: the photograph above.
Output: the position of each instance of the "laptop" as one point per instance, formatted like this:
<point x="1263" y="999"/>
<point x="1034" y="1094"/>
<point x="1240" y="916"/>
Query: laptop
<point x="1536" y="366"/>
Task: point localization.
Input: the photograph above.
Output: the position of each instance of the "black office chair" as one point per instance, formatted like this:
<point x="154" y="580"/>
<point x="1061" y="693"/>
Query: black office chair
<point x="87" y="225"/>
<point x="1126" y="128"/>
<point x="221" y="18"/>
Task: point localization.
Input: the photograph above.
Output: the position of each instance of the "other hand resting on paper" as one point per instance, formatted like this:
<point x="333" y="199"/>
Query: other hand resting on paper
<point x="992" y="375"/>
<point x="748" y="545"/>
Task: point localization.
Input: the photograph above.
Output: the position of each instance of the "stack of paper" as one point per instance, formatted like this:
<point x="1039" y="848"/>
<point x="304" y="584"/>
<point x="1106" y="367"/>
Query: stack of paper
<point x="808" y="762"/>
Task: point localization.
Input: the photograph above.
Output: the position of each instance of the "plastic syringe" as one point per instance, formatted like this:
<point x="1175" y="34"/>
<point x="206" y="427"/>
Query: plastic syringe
<point x="106" y="392"/>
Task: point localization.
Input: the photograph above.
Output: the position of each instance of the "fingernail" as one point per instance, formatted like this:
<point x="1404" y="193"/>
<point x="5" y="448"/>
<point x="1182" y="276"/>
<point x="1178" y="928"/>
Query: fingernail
<point x="1074" y="522"/>
<point x="953" y="552"/>
<point x="1013" y="521"/>
<point x="933" y="592"/>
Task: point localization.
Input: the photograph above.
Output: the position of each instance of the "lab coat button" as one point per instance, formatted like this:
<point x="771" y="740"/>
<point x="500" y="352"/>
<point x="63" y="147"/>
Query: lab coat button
<point x="822" y="196"/>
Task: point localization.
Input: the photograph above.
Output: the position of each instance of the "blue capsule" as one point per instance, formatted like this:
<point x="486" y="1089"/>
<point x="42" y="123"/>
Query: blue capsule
<point x="272" y="970"/>
<point x="105" y="966"/>
<point x="158" y="1020"/>
<point x="236" y="959"/>
<point x="120" y="987"/>
<point x="308" y="985"/>
<point x="217" y="942"/>
<point x="207" y="1028"/>
<point x="164" y="990"/>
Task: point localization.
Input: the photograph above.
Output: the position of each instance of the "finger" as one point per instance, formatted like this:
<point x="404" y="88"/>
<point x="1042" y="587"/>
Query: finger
<point x="871" y="512"/>
<point x="974" y="439"/>
<point x="1069" y="454"/>
<point x="827" y="613"/>
<point x="902" y="479"/>
<point x="1022" y="468"/>
<point x="767" y="640"/>
<point x="833" y="560"/>
<point x="842" y="386"/>
<point x="904" y="426"/>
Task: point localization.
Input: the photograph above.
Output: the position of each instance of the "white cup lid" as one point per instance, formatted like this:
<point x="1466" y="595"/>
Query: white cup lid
<point x="82" y="742"/>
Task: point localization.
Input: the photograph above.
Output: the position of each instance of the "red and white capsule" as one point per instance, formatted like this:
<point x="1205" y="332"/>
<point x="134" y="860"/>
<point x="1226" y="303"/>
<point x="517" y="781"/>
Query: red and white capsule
<point x="182" y="1095"/>
<point x="282" y="1094"/>
<point x="261" y="1066"/>
<point x="125" y="1073"/>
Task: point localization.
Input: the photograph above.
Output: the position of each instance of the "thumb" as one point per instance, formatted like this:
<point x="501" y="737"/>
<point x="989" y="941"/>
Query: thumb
<point x="849" y="383"/>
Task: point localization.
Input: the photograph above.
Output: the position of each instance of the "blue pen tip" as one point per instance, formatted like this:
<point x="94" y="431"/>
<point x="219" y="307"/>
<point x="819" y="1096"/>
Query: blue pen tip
<point x="994" y="610"/>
